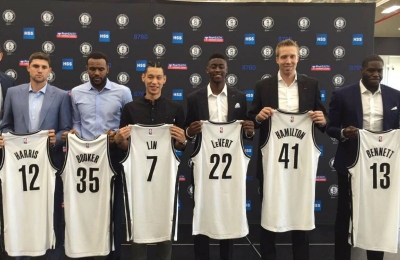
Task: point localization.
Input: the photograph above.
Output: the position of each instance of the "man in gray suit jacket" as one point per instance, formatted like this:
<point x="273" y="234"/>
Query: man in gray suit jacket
<point x="40" y="106"/>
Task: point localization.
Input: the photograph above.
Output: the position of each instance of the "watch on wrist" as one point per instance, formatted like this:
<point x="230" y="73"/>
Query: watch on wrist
<point x="184" y="142"/>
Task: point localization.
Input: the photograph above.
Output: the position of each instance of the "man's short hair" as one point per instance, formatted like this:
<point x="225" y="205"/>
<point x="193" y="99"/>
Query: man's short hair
<point x="153" y="64"/>
<point x="217" y="55"/>
<point x="372" y="57"/>
<point x="97" y="55"/>
<point x="285" y="43"/>
<point x="40" y="56"/>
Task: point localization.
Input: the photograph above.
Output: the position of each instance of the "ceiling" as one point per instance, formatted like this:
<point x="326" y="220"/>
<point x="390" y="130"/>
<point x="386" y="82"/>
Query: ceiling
<point x="389" y="27"/>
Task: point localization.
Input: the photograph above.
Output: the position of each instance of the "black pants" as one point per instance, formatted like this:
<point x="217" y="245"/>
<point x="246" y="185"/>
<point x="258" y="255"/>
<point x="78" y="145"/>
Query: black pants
<point x="202" y="250"/>
<point x="342" y="246"/>
<point x="300" y="245"/>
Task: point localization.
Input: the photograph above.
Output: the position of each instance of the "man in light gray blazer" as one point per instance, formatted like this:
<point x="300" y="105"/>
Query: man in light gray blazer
<point x="39" y="106"/>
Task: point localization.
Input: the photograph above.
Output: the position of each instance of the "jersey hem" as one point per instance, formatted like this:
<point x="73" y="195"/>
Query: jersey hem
<point x="375" y="248"/>
<point x="303" y="228"/>
<point x="87" y="254"/>
<point x="213" y="236"/>
<point x="155" y="240"/>
<point x="17" y="254"/>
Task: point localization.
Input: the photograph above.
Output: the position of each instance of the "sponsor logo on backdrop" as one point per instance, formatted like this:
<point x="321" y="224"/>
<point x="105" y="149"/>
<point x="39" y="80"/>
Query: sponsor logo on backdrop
<point x="282" y="38"/>
<point x="141" y="65"/>
<point x="179" y="153"/>
<point x="232" y="23"/>
<point x="177" y="66"/>
<point x="9" y="16"/>
<point x="321" y="178"/>
<point x="334" y="140"/>
<point x="159" y="50"/>
<point x="333" y="190"/>
<point x="47" y="17"/>
<point x="51" y="77"/>
<point x="249" y="67"/>
<point x="249" y="39"/>
<point x="331" y="162"/>
<point x="248" y="205"/>
<point x="213" y="39"/>
<point x="177" y="38"/>
<point x="67" y="64"/>
<point x="266" y="76"/>
<point x="139" y="93"/>
<point x="249" y="95"/>
<point x="195" y="79"/>
<point x="159" y="21"/>
<point x="304" y="52"/>
<point x="249" y="177"/>
<point x="338" y="80"/>
<point x="182" y="177"/>
<point x="23" y="63"/>
<point x="190" y="190"/>
<point x="85" y="48"/>
<point x="195" y="22"/>
<point x="84" y="77"/>
<point x="303" y="23"/>
<point x="140" y="36"/>
<point x="177" y="94"/>
<point x="338" y="52"/>
<point x="123" y="78"/>
<point x="29" y="33"/>
<point x="322" y="39"/>
<point x="320" y="67"/>
<point x="9" y="46"/>
<point x="267" y="52"/>
<point x="48" y="47"/>
<point x="231" y="80"/>
<point x="67" y="35"/>
<point x="231" y="52"/>
<point x="85" y="19"/>
<point x="12" y="73"/>
<point x="355" y="67"/>
<point x="195" y="51"/>
<point x="123" y="50"/>
<point x="318" y="205"/>
<point x="122" y="20"/>
<point x="358" y="39"/>
<point x="339" y="23"/>
<point x="267" y="23"/>
<point x="104" y="36"/>
<point x="179" y="205"/>
<point x="323" y="95"/>
<point x="248" y="149"/>
<point x="321" y="148"/>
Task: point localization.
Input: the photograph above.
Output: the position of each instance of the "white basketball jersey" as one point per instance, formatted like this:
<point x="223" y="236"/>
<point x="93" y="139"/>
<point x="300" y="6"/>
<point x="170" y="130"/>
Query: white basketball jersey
<point x="375" y="191"/>
<point x="88" y="187"/>
<point x="290" y="161"/>
<point x="28" y="182"/>
<point x="219" y="174"/>
<point x="150" y="185"/>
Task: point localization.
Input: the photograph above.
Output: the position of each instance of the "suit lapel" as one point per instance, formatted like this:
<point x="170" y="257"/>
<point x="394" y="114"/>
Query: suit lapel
<point x="47" y="101"/>
<point x="302" y="88"/>
<point x="386" y="107"/>
<point x="203" y="103"/>
<point x="231" y="104"/>
<point x="358" y="104"/>
<point x="24" y="101"/>
<point x="273" y="92"/>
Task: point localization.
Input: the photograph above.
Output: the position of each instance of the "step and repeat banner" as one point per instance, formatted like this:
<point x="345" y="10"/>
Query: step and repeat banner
<point x="333" y="41"/>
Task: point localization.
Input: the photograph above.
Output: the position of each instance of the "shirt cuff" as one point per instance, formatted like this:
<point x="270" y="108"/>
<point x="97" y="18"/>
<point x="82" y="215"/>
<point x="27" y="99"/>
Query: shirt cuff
<point x="249" y="136"/>
<point x="187" y="135"/>
<point x="342" y="138"/>
<point x="258" y="122"/>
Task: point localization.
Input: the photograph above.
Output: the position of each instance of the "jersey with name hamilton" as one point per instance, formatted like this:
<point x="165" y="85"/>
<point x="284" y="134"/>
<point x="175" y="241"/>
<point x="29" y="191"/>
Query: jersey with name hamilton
<point x="88" y="187"/>
<point x="28" y="183"/>
<point x="150" y="183"/>
<point x="290" y="161"/>
<point x="375" y="191"/>
<point x="219" y="172"/>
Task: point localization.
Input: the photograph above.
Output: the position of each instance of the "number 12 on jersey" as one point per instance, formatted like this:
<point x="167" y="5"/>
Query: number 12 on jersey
<point x="284" y="155"/>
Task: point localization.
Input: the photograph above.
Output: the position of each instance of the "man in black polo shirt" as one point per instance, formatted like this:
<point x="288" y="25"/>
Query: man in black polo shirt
<point x="150" y="110"/>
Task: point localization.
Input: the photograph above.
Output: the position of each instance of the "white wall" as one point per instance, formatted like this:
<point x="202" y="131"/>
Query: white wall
<point x="391" y="72"/>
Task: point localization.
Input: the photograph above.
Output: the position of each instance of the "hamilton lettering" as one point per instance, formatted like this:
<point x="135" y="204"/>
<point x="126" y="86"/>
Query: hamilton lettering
<point x="87" y="157"/>
<point x="379" y="151"/>
<point x="222" y="142"/>
<point x="26" y="154"/>
<point x="290" y="132"/>
<point x="152" y="145"/>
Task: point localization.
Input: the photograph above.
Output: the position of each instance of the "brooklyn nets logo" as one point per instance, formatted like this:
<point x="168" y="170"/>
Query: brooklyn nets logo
<point x="267" y="52"/>
<point x="338" y="80"/>
<point x="331" y="162"/>
<point x="85" y="48"/>
<point x="190" y="190"/>
<point x="231" y="80"/>
<point x="123" y="78"/>
<point x="12" y="73"/>
<point x="304" y="52"/>
<point x="304" y="23"/>
<point x="231" y="51"/>
<point x="159" y="20"/>
<point x="266" y="76"/>
<point x="267" y="22"/>
<point x="338" y="52"/>
<point x="9" y="16"/>
<point x="47" y="17"/>
<point x="9" y="46"/>
<point x="122" y="20"/>
<point x="51" y="77"/>
<point x="232" y="23"/>
<point x="123" y="49"/>
<point x="195" y="22"/>
<point x="333" y="190"/>
<point x="84" y="77"/>
<point x="195" y="51"/>
<point x="339" y="23"/>
<point x="48" y="47"/>
<point x="195" y="79"/>
<point x="159" y="50"/>
<point x="85" y="19"/>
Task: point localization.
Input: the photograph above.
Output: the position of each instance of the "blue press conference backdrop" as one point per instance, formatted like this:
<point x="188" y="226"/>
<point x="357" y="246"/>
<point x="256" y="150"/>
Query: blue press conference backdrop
<point x="332" y="39"/>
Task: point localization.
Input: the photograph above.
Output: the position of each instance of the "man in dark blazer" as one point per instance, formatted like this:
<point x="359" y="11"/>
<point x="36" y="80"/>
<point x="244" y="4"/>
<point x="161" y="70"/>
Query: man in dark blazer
<point x="5" y="82"/>
<point x="349" y="110"/>
<point x="203" y="104"/>
<point x="292" y="92"/>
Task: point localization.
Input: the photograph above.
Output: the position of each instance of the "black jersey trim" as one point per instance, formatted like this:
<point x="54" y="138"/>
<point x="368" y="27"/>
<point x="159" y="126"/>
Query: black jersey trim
<point x="351" y="209"/>
<point x="127" y="209"/>
<point x="176" y="197"/>
<point x="145" y="125"/>
<point x="268" y="135"/>
<point x="313" y="137"/>
<point x="220" y="123"/>
<point x="358" y="154"/>
<point x="2" y="243"/>
<point x="291" y="113"/>
<point x="112" y="224"/>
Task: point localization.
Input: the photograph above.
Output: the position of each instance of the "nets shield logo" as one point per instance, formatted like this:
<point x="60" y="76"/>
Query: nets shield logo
<point x="123" y="78"/>
<point x="231" y="52"/>
<point x="123" y="49"/>
<point x="85" y="19"/>
<point x="159" y="50"/>
<point x="122" y="20"/>
<point x="10" y="46"/>
<point x="9" y="16"/>
<point x="231" y="23"/>
<point x="195" y="79"/>
<point x="339" y="23"/>
<point x="304" y="52"/>
<point x="338" y="80"/>
<point x="333" y="190"/>
<point x="266" y="76"/>
<point x="85" y="48"/>
<point x="195" y="22"/>
<point x="303" y="23"/>
<point x="48" y="47"/>
<point x="267" y="23"/>
<point x="231" y="80"/>
<point x="195" y="51"/>
<point x="47" y="17"/>
<point x="51" y="77"/>
<point x="84" y="77"/>
<point x="159" y="21"/>
<point x="339" y="52"/>
<point x="267" y="52"/>
<point x="12" y="73"/>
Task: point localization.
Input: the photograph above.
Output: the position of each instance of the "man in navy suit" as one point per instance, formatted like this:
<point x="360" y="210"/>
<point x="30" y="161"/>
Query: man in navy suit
<point x="5" y="83"/>
<point x="217" y="103"/>
<point x="364" y="105"/>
